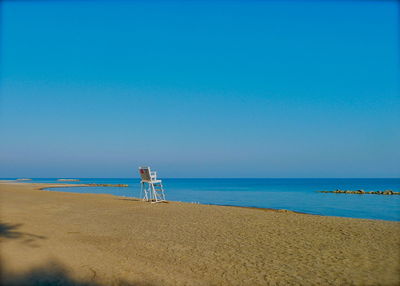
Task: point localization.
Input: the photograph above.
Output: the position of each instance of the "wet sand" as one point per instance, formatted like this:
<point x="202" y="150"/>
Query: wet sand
<point x="82" y="239"/>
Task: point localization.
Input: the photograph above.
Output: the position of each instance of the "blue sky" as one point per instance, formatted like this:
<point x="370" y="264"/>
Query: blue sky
<point x="200" y="88"/>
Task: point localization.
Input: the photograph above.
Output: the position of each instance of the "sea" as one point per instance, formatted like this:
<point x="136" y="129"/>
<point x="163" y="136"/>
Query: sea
<point x="300" y="195"/>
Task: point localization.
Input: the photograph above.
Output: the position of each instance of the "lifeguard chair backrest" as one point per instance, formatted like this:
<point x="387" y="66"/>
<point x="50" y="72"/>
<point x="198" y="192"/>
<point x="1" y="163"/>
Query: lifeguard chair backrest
<point x="145" y="173"/>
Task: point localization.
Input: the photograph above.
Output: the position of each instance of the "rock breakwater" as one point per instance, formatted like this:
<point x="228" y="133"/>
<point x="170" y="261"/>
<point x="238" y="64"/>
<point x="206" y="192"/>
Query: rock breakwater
<point x="362" y="192"/>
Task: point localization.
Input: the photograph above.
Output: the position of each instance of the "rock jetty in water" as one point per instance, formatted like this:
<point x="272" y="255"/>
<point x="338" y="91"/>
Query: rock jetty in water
<point x="23" y="179"/>
<point x="68" y="180"/>
<point x="362" y="192"/>
<point x="107" y="185"/>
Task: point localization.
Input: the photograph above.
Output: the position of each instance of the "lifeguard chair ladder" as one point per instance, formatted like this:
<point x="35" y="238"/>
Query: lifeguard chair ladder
<point x="151" y="189"/>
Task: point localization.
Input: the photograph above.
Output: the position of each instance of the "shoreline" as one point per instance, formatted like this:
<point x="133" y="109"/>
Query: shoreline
<point x="87" y="185"/>
<point x="255" y="208"/>
<point x="111" y="240"/>
<point x="66" y="185"/>
<point x="223" y="205"/>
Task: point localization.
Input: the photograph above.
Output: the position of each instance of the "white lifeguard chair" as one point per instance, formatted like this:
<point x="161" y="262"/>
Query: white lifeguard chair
<point x="151" y="189"/>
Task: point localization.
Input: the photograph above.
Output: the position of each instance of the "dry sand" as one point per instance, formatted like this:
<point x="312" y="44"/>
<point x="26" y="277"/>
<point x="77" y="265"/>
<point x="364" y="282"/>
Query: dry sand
<point x="80" y="239"/>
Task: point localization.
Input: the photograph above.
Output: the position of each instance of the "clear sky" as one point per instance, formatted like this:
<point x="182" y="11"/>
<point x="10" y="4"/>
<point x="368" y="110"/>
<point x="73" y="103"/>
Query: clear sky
<point x="200" y="88"/>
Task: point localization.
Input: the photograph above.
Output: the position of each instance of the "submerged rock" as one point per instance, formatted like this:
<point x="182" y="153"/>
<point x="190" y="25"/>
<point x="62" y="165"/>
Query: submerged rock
<point x="108" y="185"/>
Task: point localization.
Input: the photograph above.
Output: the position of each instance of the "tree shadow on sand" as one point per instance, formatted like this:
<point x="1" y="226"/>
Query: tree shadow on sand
<point x="55" y="274"/>
<point x="10" y="231"/>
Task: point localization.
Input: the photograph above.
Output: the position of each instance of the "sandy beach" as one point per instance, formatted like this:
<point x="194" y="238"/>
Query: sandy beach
<point x="82" y="239"/>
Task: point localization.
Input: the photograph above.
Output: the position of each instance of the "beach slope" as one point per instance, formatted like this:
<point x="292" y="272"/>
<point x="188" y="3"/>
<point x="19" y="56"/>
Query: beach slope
<point x="82" y="239"/>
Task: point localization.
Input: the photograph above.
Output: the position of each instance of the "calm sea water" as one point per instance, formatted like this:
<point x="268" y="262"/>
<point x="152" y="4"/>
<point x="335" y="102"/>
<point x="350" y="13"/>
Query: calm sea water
<point x="293" y="194"/>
